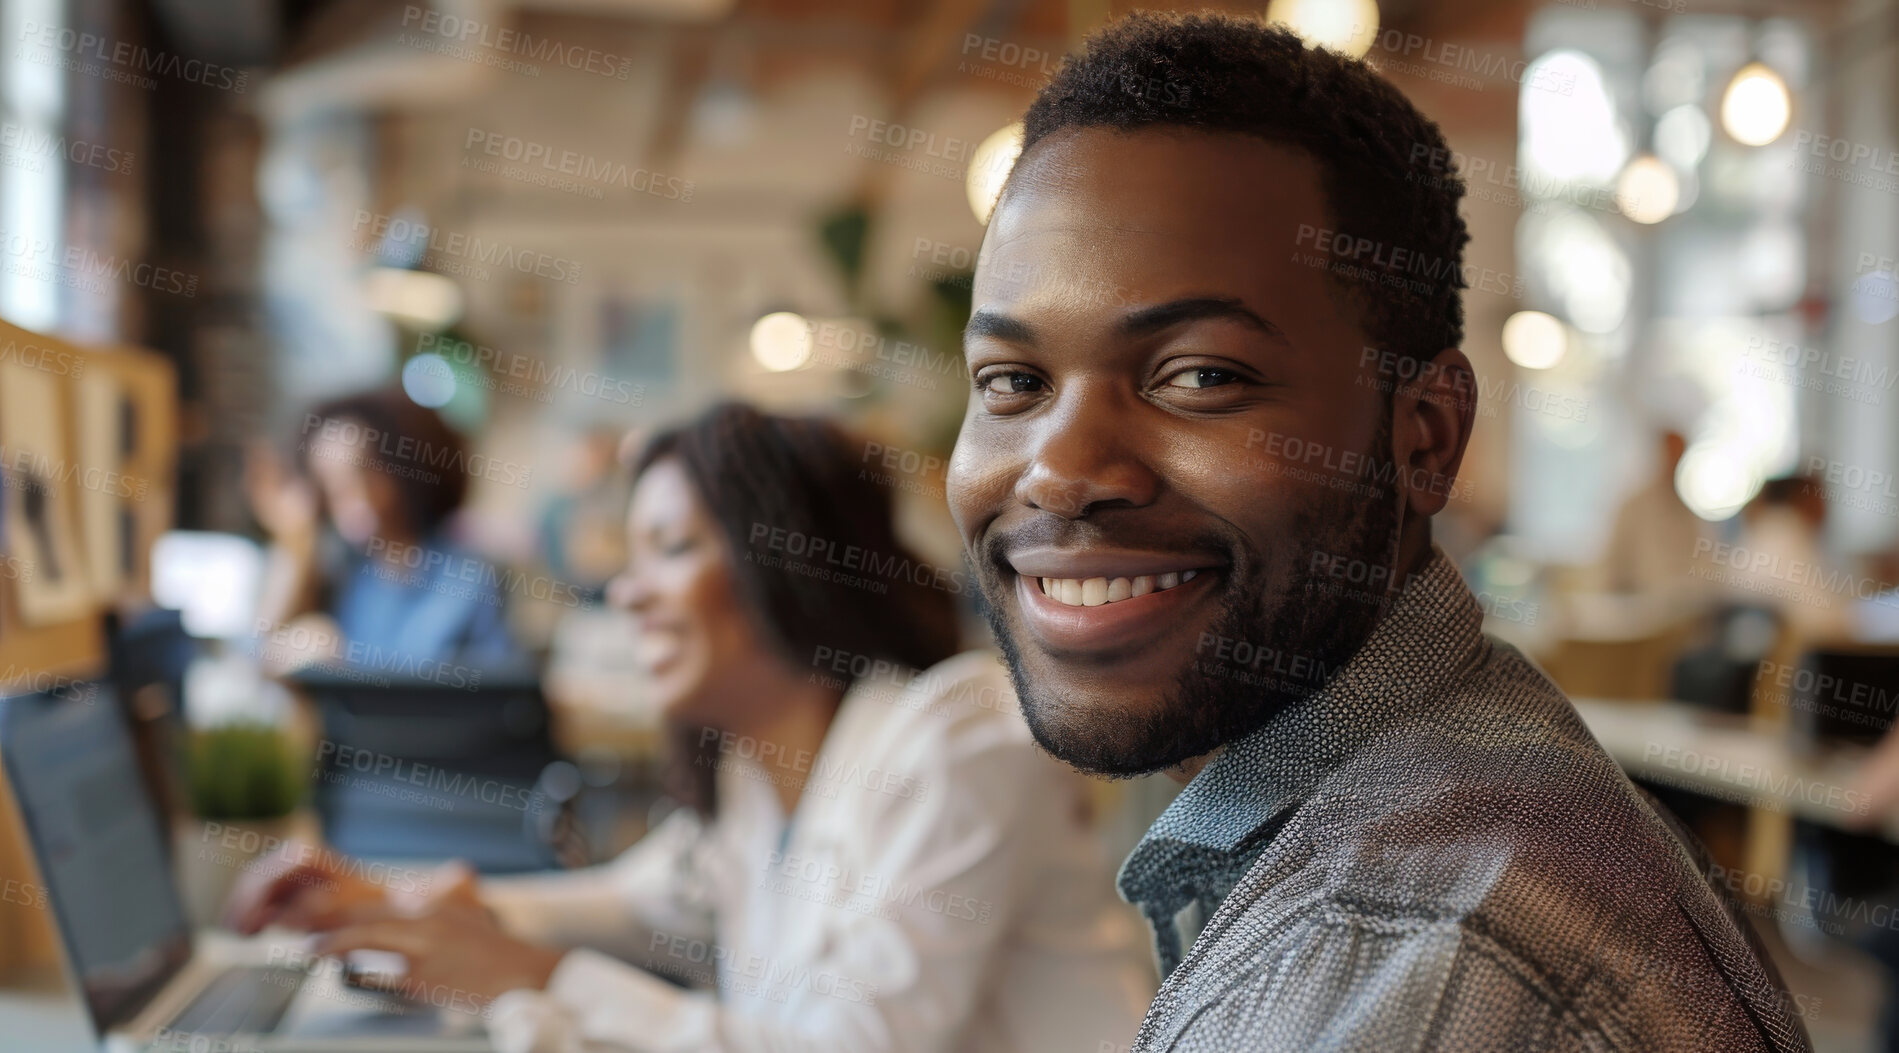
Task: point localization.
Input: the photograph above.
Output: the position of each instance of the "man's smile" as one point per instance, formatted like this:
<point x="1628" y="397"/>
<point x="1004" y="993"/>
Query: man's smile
<point x="1091" y="602"/>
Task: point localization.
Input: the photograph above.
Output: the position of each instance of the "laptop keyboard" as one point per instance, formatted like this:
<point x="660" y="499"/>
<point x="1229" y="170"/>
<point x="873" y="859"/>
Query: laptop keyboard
<point x="246" y="1000"/>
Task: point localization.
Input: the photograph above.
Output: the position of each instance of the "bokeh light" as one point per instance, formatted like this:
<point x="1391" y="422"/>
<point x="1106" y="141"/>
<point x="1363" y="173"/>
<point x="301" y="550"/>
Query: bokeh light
<point x="1756" y="108"/>
<point x="1714" y="481"/>
<point x="1572" y="135"/>
<point x="1647" y="190"/>
<point x="781" y="341"/>
<point x="1345" y="26"/>
<point x="429" y="380"/>
<point x="989" y="168"/>
<point x="1534" y="340"/>
<point x="1876" y="297"/>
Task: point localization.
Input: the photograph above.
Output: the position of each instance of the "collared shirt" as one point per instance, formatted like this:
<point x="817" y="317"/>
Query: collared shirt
<point x="1432" y="852"/>
<point x="941" y="889"/>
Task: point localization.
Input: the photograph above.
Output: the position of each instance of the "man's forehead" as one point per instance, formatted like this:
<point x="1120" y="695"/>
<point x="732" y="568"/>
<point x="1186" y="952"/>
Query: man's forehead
<point x="1112" y="186"/>
<point x="1099" y="222"/>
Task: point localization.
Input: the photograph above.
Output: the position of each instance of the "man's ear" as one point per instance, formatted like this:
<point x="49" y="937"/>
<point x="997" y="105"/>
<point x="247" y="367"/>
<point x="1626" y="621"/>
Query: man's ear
<point x="1431" y="418"/>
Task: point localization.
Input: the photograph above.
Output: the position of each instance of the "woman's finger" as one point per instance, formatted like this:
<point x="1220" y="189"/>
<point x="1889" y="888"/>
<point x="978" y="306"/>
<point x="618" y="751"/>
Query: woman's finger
<point x="410" y="938"/>
<point x="256" y="904"/>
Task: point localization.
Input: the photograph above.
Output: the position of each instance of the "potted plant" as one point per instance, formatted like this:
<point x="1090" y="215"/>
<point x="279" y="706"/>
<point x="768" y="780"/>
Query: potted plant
<point x="244" y="779"/>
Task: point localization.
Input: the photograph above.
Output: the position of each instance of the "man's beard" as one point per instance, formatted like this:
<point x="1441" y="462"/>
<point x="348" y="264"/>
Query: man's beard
<point x="1311" y="625"/>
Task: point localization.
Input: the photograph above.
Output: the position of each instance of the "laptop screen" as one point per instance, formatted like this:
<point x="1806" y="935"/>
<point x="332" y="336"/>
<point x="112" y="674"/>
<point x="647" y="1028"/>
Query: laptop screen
<point x="100" y="847"/>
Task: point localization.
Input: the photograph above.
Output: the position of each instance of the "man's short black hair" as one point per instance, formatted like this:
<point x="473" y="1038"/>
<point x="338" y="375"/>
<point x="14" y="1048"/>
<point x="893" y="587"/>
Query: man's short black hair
<point x="1384" y="165"/>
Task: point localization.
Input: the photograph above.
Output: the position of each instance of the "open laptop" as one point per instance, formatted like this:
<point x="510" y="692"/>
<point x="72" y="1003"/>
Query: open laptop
<point x="148" y="985"/>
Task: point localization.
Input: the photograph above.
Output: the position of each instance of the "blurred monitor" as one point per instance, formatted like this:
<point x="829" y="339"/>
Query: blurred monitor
<point x="416" y="769"/>
<point x="212" y="580"/>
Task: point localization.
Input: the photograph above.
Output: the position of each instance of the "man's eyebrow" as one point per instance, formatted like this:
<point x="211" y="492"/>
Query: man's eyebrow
<point x="1192" y="309"/>
<point x="1146" y="320"/>
<point x="998" y="326"/>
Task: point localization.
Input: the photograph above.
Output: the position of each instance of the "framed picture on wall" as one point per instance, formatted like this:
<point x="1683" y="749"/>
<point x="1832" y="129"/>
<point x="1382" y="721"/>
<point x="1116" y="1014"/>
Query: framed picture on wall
<point x="40" y="478"/>
<point x="125" y="434"/>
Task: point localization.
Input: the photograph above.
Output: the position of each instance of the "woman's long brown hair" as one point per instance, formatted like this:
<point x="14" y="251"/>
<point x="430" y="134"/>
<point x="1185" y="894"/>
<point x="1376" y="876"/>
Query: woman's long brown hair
<point x="775" y="484"/>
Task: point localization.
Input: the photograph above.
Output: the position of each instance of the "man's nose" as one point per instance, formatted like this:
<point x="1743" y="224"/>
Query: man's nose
<point x="1086" y="455"/>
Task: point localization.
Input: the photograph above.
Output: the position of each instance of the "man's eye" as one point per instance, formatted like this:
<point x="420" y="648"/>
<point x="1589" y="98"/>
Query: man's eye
<point x="1011" y="383"/>
<point x="1202" y="378"/>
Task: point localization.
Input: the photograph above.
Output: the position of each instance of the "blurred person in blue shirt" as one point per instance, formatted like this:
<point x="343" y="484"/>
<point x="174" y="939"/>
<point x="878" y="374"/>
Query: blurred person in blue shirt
<point x="360" y="517"/>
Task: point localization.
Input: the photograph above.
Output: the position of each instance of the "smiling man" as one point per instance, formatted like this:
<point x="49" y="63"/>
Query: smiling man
<point x="1217" y="398"/>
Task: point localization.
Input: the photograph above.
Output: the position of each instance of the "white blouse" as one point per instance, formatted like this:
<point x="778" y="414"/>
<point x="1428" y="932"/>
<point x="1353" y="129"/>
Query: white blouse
<point x="939" y="888"/>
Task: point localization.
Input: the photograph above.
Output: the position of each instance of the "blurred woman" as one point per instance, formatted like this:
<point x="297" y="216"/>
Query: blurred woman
<point x="360" y="530"/>
<point x="873" y="854"/>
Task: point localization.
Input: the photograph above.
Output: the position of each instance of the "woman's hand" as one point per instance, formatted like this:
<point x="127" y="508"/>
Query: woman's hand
<point x="455" y="948"/>
<point x="284" y="503"/>
<point x="308" y="887"/>
<point x="299" y="886"/>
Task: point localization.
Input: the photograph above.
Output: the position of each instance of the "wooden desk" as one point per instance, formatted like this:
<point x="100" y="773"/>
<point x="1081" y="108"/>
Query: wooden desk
<point x="1731" y="758"/>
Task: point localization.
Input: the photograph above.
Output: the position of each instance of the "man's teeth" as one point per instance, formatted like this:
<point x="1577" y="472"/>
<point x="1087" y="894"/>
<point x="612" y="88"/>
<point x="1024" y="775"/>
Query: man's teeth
<point x="1093" y="592"/>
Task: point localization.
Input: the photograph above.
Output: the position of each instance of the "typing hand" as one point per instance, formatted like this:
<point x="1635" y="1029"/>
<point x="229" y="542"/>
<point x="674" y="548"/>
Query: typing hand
<point x="300" y="886"/>
<point x="308" y="887"/>
<point x="456" y="956"/>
